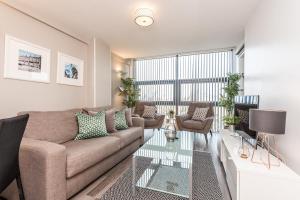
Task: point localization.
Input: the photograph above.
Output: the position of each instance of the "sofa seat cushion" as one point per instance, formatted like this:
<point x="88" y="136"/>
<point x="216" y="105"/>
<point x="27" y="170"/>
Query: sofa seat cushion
<point x="129" y="135"/>
<point x="82" y="154"/>
<point x="151" y="122"/>
<point x="192" y="124"/>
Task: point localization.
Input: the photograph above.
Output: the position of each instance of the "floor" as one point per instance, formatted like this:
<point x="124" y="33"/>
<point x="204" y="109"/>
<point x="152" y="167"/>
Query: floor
<point x="107" y="180"/>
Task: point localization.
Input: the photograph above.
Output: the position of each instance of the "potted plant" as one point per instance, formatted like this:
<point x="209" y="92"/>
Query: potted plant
<point x="129" y="91"/>
<point x="231" y="90"/>
<point x="171" y="114"/>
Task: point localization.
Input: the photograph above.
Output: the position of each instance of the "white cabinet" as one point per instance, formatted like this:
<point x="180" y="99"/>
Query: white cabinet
<point x="251" y="181"/>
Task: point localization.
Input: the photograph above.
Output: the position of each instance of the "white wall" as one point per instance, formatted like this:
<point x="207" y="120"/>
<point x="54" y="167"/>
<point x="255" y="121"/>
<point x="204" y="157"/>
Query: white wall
<point x="118" y="64"/>
<point x="272" y="67"/>
<point x="17" y="95"/>
<point x="102" y="74"/>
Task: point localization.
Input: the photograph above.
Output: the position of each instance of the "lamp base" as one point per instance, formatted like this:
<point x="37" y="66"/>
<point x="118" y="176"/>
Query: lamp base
<point x="264" y="140"/>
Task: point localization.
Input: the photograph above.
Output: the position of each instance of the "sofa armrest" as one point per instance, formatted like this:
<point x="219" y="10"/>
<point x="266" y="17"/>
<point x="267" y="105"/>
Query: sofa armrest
<point x="138" y="122"/>
<point x="208" y="124"/>
<point x="43" y="170"/>
<point x="160" y="118"/>
<point x="180" y="119"/>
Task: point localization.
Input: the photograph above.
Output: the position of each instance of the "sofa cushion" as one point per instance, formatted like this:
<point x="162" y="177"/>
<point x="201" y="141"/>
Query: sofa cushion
<point x="149" y="112"/>
<point x="96" y="109"/>
<point x="52" y="126"/>
<point x="91" y="126"/>
<point x="129" y="135"/>
<point x="109" y="119"/>
<point x="200" y="114"/>
<point x="82" y="154"/>
<point x="120" y="120"/>
<point x="192" y="124"/>
<point x="140" y="105"/>
<point x="128" y="117"/>
<point x="149" y="122"/>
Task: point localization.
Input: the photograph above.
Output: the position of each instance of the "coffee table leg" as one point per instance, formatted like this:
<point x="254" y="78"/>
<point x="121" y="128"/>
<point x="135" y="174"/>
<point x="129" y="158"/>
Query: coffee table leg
<point x="133" y="176"/>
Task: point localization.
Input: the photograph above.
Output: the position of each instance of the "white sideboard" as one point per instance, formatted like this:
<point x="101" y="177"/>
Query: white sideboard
<point x="250" y="181"/>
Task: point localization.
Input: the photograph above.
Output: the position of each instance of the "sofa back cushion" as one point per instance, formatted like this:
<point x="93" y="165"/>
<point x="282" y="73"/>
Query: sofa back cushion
<point x="52" y="126"/>
<point x="96" y="109"/>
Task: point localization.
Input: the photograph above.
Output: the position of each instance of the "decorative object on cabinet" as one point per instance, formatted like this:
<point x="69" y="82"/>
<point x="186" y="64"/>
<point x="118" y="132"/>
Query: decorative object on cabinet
<point x="243" y="151"/>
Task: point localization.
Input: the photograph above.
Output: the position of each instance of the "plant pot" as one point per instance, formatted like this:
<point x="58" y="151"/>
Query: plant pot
<point x="231" y="128"/>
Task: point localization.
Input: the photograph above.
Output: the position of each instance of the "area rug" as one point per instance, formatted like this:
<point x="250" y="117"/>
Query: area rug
<point x="205" y="185"/>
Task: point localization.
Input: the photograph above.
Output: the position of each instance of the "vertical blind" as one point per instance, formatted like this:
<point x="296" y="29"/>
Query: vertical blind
<point x="175" y="81"/>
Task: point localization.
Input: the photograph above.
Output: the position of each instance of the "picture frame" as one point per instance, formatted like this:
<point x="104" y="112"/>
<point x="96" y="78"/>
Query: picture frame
<point x="69" y="70"/>
<point x="26" y="61"/>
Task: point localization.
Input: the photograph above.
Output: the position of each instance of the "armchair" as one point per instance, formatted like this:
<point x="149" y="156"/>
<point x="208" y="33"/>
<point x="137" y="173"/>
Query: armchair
<point x="185" y="122"/>
<point x="150" y="123"/>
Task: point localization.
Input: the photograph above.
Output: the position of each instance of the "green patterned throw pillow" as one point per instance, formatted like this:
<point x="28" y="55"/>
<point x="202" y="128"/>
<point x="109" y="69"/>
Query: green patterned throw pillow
<point x="91" y="126"/>
<point x="120" y="120"/>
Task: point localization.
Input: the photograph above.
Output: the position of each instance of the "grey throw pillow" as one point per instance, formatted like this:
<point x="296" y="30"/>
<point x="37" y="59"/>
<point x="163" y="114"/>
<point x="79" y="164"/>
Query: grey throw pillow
<point x="200" y="114"/>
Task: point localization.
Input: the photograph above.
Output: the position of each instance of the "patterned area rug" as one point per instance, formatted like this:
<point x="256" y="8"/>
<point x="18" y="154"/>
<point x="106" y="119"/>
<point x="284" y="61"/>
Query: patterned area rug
<point x="205" y="185"/>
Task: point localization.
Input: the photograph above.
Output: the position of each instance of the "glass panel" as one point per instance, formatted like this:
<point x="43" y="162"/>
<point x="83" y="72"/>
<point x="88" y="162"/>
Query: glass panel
<point x="173" y="82"/>
<point x="164" y="109"/>
<point x="156" y="92"/>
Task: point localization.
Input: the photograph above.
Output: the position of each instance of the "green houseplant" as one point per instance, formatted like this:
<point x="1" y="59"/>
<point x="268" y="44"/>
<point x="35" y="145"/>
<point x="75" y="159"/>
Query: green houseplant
<point x="231" y="90"/>
<point x="128" y="90"/>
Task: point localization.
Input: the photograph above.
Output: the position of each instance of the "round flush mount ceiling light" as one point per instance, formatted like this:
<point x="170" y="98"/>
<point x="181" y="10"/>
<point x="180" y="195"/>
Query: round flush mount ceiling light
<point x="144" y="17"/>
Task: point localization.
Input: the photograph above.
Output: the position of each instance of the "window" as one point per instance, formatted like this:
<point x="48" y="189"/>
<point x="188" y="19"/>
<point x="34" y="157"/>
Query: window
<point x="173" y="82"/>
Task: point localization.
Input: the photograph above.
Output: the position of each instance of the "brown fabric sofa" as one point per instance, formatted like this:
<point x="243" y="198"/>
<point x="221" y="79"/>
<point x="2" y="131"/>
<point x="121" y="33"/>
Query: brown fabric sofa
<point x="55" y="167"/>
<point x="150" y="123"/>
<point x="185" y="122"/>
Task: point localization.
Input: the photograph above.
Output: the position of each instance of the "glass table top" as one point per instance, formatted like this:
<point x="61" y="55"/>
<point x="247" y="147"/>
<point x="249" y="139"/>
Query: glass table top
<point x="169" y="164"/>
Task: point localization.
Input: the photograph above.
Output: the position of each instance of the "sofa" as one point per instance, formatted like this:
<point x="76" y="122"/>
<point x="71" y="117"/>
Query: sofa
<point x="185" y="122"/>
<point x="150" y="123"/>
<point x="54" y="166"/>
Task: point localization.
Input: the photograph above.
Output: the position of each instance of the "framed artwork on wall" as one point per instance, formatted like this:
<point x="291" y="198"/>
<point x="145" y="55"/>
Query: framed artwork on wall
<point x="26" y="61"/>
<point x="69" y="70"/>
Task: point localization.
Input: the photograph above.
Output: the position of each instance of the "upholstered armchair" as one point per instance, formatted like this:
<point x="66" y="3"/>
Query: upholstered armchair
<point x="185" y="122"/>
<point x="150" y="123"/>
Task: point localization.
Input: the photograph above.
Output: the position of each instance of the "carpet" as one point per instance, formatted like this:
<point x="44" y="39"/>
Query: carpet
<point x="205" y="185"/>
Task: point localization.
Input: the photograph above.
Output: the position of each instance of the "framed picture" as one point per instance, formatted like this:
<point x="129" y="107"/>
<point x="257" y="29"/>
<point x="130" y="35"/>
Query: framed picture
<point x="69" y="70"/>
<point x="26" y="61"/>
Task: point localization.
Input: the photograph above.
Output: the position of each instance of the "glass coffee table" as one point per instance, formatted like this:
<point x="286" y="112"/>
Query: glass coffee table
<point x="165" y="166"/>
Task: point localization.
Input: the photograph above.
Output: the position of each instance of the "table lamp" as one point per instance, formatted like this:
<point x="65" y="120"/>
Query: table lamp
<point x="267" y="123"/>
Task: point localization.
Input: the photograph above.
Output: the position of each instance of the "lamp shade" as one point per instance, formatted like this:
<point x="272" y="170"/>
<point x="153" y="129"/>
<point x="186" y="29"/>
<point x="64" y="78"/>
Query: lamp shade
<point x="144" y="17"/>
<point x="267" y="121"/>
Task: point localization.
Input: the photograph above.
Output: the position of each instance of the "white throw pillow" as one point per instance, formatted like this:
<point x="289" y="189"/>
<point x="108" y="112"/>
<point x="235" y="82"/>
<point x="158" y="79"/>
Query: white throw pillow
<point x="200" y="114"/>
<point x="149" y="112"/>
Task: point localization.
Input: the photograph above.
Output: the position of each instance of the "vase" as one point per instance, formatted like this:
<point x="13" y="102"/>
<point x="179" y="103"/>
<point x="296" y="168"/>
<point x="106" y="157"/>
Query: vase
<point x="232" y="128"/>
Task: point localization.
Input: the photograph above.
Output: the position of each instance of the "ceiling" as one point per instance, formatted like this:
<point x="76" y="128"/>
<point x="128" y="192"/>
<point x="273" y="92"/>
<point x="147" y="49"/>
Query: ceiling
<point x="180" y="25"/>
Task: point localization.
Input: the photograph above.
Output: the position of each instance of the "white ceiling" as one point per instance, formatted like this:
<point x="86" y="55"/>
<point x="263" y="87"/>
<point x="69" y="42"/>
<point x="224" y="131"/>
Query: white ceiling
<point x="180" y="25"/>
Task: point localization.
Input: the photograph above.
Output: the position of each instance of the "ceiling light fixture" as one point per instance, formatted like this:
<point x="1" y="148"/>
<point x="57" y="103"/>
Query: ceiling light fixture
<point x="144" y="17"/>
